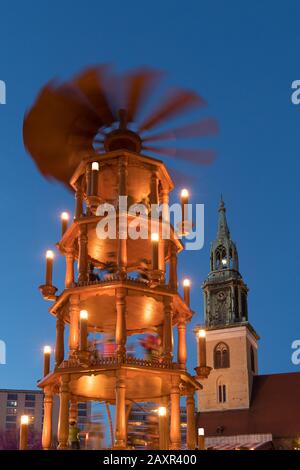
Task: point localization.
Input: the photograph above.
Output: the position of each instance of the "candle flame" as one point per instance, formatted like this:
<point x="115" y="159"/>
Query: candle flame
<point x="184" y="193"/>
<point x="162" y="411"/>
<point x="95" y="166"/>
<point x="49" y="254"/>
<point x="84" y="314"/>
<point x="64" y="216"/>
<point x="24" y="419"/>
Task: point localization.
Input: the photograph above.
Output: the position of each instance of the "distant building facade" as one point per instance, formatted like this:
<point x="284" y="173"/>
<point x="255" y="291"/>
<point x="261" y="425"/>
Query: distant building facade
<point x="238" y="408"/>
<point x="15" y="403"/>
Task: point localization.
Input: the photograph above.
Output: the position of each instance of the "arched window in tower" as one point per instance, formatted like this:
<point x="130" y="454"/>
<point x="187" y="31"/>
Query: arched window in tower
<point x="221" y="356"/>
<point x="221" y="259"/>
<point x="221" y="391"/>
<point x="252" y="360"/>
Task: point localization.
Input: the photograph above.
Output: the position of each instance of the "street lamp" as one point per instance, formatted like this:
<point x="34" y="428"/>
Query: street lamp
<point x="47" y="355"/>
<point x="201" y="439"/>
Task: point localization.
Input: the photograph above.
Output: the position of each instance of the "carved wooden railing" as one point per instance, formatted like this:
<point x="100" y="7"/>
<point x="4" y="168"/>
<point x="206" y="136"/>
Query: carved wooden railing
<point x="77" y="361"/>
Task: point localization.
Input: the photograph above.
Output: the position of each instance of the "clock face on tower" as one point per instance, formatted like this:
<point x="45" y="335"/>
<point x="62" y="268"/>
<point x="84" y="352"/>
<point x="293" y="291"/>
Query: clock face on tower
<point x="219" y="307"/>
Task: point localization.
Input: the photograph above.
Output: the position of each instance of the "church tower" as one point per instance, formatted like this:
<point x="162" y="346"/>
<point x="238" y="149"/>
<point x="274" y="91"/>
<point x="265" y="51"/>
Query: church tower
<point x="231" y="342"/>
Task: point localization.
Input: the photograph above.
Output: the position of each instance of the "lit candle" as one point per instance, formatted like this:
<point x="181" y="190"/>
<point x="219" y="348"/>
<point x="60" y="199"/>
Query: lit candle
<point x="186" y="291"/>
<point x="47" y="355"/>
<point x="83" y="329"/>
<point x="24" y="432"/>
<point x="202" y="348"/>
<point x="162" y="427"/>
<point x="201" y="439"/>
<point x="49" y="267"/>
<point x="64" y="217"/>
<point x="94" y="182"/>
<point x="155" y="241"/>
<point x="184" y="209"/>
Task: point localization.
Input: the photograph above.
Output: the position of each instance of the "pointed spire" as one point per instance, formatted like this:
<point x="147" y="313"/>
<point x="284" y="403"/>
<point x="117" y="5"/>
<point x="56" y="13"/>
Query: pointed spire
<point x="223" y="230"/>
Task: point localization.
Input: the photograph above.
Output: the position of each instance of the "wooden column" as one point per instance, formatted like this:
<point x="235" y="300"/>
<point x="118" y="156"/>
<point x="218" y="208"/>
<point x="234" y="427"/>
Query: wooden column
<point x="175" y="438"/>
<point x="120" y="417"/>
<point x="63" y="417"/>
<point x="164" y="426"/>
<point x="69" y="279"/>
<point x="73" y="411"/>
<point x="122" y="220"/>
<point x="59" y="344"/>
<point x="181" y="351"/>
<point x="78" y="202"/>
<point x="191" y="424"/>
<point x="154" y="188"/>
<point x="121" y="323"/>
<point x="74" y="323"/>
<point x="47" y="423"/>
<point x="173" y="267"/>
<point x="167" y="329"/>
<point x="83" y="254"/>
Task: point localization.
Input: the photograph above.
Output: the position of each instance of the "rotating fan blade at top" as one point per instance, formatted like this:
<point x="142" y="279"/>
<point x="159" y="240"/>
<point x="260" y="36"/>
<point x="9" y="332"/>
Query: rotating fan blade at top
<point x="91" y="84"/>
<point x="138" y="86"/>
<point x="204" y="128"/>
<point x="175" y="103"/>
<point x="201" y="156"/>
<point x="69" y="122"/>
<point x="48" y="127"/>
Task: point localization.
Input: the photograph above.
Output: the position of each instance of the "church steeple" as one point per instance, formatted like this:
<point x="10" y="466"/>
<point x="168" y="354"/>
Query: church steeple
<point x="223" y="230"/>
<point x="225" y="292"/>
<point x="223" y="253"/>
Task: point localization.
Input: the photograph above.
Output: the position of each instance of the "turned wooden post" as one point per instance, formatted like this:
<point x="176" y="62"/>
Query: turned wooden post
<point x="47" y="423"/>
<point x="154" y="188"/>
<point x="63" y="418"/>
<point x="173" y="266"/>
<point x="69" y="278"/>
<point x="181" y="351"/>
<point x="167" y="329"/>
<point x="78" y="201"/>
<point x="74" y="323"/>
<point x="59" y="344"/>
<point x="121" y="322"/>
<point x="122" y="219"/>
<point x="120" y="417"/>
<point x="175" y="438"/>
<point x="83" y="254"/>
<point x="73" y="410"/>
<point x="190" y="420"/>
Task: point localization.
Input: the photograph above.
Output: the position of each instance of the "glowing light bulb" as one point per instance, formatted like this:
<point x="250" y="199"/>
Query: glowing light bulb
<point x="47" y="349"/>
<point x="186" y="282"/>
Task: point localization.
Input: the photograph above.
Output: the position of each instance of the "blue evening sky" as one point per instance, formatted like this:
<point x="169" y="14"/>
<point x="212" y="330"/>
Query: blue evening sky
<point x="242" y="57"/>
